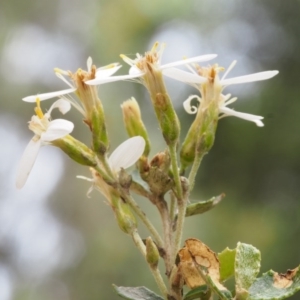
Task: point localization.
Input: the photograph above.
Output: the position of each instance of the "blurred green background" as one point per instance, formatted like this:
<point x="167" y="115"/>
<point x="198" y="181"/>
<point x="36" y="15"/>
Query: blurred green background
<point x="55" y="243"/>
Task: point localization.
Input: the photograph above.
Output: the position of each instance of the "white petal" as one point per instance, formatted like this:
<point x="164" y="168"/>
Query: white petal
<point x="59" y="74"/>
<point x="27" y="161"/>
<point x="57" y="129"/>
<point x="183" y="76"/>
<point x="229" y="69"/>
<point x="190" y="60"/>
<point x="190" y="109"/>
<point x="134" y="70"/>
<point x="253" y="118"/>
<point x="127" y="153"/>
<point x="46" y="96"/>
<point x="89" y="63"/>
<point x="108" y="70"/>
<point x="250" y="78"/>
<point x="63" y="106"/>
<point x="97" y="81"/>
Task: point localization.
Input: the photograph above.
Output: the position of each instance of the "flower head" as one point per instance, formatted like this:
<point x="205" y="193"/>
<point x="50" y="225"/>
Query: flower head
<point x="142" y="65"/>
<point x="207" y="81"/>
<point x="45" y="131"/>
<point x="76" y="83"/>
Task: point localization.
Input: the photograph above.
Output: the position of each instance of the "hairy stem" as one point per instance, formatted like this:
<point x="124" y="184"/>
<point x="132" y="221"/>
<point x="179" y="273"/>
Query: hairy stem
<point x="155" y="271"/>
<point x="156" y="237"/>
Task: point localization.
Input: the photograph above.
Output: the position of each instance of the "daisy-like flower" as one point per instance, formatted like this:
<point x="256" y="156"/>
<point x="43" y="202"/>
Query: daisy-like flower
<point x="123" y="157"/>
<point x="45" y="131"/>
<point x="151" y="60"/>
<point x="87" y="95"/>
<point x="211" y="86"/>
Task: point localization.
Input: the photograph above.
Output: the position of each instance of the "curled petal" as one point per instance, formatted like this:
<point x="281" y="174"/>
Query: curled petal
<point x="46" y="96"/>
<point x="190" y="109"/>
<point x="127" y="153"/>
<point x="253" y="118"/>
<point x="91" y="188"/>
<point x="184" y="76"/>
<point x="27" y="161"/>
<point x="250" y="78"/>
<point x="63" y="106"/>
<point x="57" y="129"/>
<point x="98" y="81"/>
<point x="189" y="60"/>
<point x="108" y="70"/>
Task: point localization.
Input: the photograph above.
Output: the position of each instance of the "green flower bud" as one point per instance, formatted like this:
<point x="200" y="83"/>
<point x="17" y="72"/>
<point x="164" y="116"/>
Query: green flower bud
<point x="133" y="122"/>
<point x="125" y="218"/>
<point x="152" y="254"/>
<point x="98" y="127"/>
<point x="76" y="150"/>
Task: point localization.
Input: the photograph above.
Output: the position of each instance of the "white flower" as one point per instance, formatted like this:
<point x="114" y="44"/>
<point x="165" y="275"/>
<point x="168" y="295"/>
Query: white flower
<point x="139" y="65"/>
<point x="103" y="72"/>
<point x="200" y="76"/>
<point x="45" y="131"/>
<point x="124" y="156"/>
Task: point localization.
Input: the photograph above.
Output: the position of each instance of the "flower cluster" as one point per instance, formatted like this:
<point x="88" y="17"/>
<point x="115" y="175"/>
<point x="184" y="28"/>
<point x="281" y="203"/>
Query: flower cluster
<point x="169" y="174"/>
<point x="147" y="70"/>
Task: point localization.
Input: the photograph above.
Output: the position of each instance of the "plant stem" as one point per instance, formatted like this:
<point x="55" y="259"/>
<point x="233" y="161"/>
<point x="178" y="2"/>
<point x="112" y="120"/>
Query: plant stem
<point x="179" y="226"/>
<point x="167" y="227"/>
<point x="155" y="271"/>
<point x="173" y="155"/>
<point x="172" y="206"/>
<point x="194" y="170"/>
<point x="144" y="219"/>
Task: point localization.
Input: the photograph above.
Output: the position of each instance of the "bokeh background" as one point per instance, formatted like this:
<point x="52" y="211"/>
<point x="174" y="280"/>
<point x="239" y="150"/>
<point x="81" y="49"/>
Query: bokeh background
<point x="55" y="243"/>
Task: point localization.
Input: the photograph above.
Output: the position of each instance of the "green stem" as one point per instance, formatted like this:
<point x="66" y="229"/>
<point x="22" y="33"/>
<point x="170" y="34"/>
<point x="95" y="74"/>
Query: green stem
<point x="167" y="228"/>
<point x="194" y="170"/>
<point x="173" y="155"/>
<point x="179" y="226"/>
<point x="144" y="219"/>
<point x="172" y="206"/>
<point x="155" y="271"/>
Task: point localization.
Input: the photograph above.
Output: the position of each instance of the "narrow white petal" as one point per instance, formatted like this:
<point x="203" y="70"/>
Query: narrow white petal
<point x="61" y="77"/>
<point x="253" y="118"/>
<point x="89" y="63"/>
<point x="57" y="129"/>
<point x="183" y="76"/>
<point x="63" y="106"/>
<point x="190" y="109"/>
<point x="229" y="69"/>
<point x="46" y="96"/>
<point x="134" y="70"/>
<point x="189" y="60"/>
<point x="98" y="81"/>
<point x="127" y="153"/>
<point x="227" y="102"/>
<point x="250" y="78"/>
<point x="107" y="70"/>
<point x="27" y="161"/>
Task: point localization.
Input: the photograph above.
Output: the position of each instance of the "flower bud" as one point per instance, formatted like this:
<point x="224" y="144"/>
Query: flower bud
<point x="125" y="218"/>
<point x="152" y="254"/>
<point x="98" y="128"/>
<point x="133" y="122"/>
<point x="76" y="150"/>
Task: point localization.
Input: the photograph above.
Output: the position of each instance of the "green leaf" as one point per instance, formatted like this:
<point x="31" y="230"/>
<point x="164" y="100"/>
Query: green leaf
<point x="200" y="292"/>
<point x="203" y="206"/>
<point x="227" y="263"/>
<point x="274" y="286"/>
<point x="136" y="293"/>
<point x="247" y="265"/>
